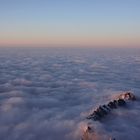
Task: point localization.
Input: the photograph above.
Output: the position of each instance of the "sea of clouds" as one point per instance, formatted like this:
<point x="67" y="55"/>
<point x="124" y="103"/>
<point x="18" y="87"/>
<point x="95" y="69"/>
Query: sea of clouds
<point x="46" y="94"/>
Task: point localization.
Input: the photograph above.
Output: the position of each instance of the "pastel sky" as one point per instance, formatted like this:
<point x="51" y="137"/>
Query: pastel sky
<point x="70" y="22"/>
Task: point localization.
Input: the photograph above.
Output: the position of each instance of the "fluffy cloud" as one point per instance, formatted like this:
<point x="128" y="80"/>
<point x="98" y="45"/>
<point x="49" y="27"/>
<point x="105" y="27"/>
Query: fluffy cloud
<point x="46" y="94"/>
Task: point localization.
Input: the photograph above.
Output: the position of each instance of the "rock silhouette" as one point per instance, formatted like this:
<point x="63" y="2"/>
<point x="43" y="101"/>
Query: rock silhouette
<point x="105" y="109"/>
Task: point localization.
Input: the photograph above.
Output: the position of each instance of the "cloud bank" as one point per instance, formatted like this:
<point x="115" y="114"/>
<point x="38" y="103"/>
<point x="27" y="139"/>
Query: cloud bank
<point x="45" y="94"/>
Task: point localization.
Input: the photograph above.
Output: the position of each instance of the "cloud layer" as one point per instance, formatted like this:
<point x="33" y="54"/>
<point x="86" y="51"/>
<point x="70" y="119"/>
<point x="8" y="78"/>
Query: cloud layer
<point x="45" y="94"/>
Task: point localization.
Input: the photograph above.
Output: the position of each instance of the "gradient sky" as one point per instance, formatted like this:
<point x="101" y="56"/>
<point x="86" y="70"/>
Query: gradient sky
<point x="70" y="22"/>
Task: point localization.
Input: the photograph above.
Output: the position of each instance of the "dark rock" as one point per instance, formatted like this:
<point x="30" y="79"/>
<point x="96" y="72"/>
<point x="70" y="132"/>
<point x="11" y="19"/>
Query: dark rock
<point x="106" y="108"/>
<point x="95" y="115"/>
<point x="130" y="96"/>
<point x="103" y="110"/>
<point x="121" y="102"/>
<point x="89" y="128"/>
<point x="115" y="102"/>
<point x="112" y="105"/>
<point x="96" y="118"/>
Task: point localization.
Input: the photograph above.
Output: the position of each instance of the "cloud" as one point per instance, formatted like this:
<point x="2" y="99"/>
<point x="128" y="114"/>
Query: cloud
<point x="21" y="81"/>
<point x="46" y="97"/>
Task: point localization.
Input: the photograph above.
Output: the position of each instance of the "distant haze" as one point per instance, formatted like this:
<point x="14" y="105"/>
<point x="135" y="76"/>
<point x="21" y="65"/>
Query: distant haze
<point x="70" y="23"/>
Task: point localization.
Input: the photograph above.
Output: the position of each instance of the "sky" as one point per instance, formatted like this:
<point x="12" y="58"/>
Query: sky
<point x="70" y="22"/>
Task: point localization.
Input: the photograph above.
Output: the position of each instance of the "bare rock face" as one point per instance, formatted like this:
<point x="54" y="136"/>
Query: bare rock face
<point x="127" y="96"/>
<point x="90" y="134"/>
<point x="103" y="110"/>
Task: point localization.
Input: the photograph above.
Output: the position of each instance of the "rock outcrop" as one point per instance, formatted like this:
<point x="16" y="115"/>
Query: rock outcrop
<point x="103" y="110"/>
